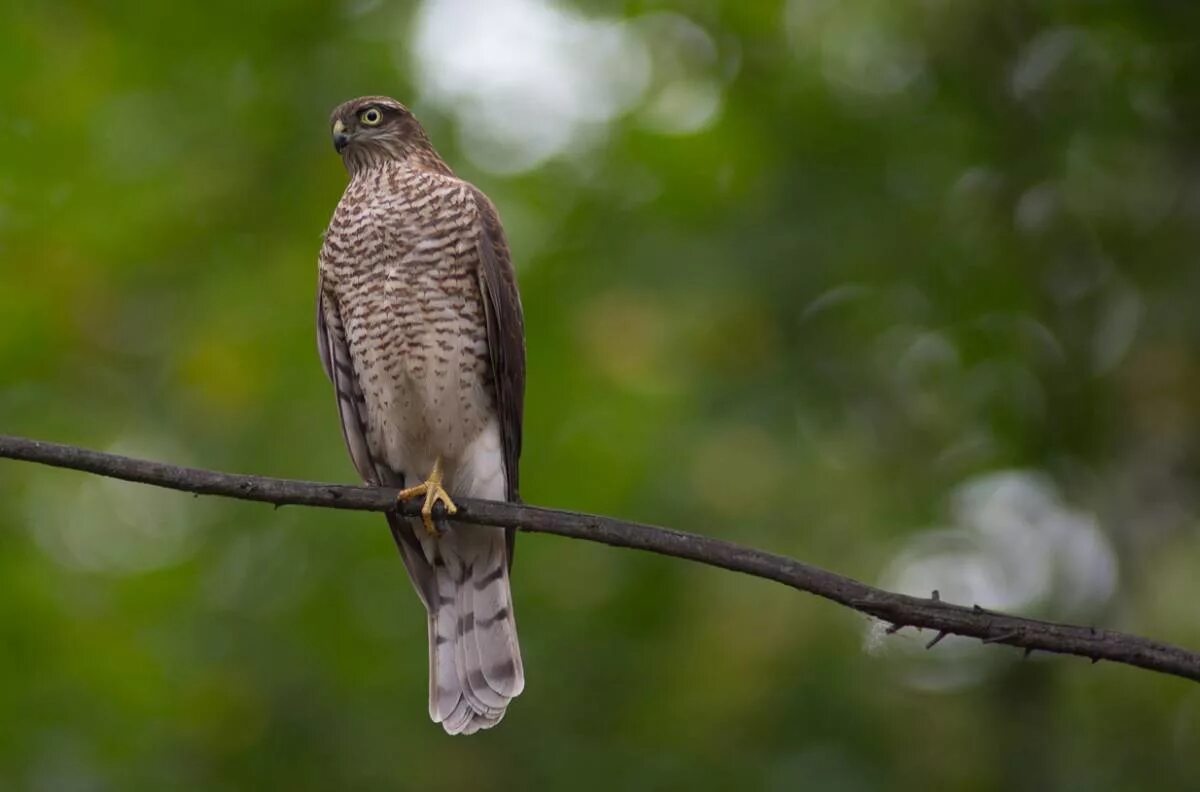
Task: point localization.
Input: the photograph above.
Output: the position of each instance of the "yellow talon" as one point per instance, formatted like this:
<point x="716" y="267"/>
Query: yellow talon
<point x="433" y="491"/>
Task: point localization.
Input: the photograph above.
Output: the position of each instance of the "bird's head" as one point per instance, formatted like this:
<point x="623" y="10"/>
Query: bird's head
<point x="372" y="129"/>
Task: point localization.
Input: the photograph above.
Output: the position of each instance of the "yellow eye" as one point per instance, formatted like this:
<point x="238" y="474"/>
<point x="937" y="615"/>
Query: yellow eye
<point x="371" y="116"/>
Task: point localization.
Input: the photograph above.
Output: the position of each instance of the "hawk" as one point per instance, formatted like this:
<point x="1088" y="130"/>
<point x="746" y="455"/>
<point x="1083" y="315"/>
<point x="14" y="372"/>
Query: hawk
<point x="420" y="330"/>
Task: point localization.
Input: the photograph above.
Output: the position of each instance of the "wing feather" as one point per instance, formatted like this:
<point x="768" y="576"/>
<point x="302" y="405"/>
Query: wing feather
<point x="506" y="340"/>
<point x="339" y="367"/>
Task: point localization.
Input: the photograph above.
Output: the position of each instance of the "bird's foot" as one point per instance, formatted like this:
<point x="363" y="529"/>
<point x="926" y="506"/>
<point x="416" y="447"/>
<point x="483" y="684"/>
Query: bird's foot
<point x="433" y="491"/>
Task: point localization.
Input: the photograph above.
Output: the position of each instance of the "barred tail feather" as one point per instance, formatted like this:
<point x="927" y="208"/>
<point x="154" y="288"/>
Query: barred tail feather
<point x="475" y="665"/>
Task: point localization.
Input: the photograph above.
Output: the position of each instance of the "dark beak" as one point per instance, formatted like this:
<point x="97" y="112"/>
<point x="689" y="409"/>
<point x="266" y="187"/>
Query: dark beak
<point x="341" y="138"/>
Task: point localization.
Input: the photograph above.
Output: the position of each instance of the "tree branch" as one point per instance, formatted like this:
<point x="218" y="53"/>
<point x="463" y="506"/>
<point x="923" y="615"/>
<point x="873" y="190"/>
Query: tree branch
<point x="897" y="609"/>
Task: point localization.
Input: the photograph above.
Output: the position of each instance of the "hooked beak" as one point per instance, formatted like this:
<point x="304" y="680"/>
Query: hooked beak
<point x="341" y="138"/>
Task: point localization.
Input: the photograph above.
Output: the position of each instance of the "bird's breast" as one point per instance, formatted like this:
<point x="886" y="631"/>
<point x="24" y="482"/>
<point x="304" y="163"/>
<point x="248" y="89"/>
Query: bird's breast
<point x="405" y="270"/>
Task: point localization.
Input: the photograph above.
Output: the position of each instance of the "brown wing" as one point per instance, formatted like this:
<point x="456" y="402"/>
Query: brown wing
<point x="506" y="343"/>
<point x="506" y="336"/>
<point x="339" y="367"/>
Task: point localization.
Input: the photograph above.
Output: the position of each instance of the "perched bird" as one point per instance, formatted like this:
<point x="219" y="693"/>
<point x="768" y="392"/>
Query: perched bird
<point x="420" y="329"/>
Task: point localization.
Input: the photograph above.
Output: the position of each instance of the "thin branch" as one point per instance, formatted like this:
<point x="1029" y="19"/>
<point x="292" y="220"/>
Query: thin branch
<point x="898" y="610"/>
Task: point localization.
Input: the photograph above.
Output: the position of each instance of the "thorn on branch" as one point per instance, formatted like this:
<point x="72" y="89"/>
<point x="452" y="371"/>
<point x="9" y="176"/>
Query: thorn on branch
<point x="936" y="596"/>
<point x="937" y="638"/>
<point x="895" y="628"/>
<point x="1028" y="651"/>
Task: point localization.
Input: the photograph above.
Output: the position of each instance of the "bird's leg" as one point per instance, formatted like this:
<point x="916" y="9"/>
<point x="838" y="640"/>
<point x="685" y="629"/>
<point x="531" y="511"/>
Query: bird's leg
<point x="432" y="489"/>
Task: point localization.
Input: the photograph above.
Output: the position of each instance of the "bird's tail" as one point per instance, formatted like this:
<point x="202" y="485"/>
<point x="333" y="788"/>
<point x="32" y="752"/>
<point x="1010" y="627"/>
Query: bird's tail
<point x="474" y="660"/>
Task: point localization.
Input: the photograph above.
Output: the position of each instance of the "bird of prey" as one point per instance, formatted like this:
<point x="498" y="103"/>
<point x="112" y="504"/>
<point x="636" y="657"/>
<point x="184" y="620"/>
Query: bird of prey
<point x="420" y="330"/>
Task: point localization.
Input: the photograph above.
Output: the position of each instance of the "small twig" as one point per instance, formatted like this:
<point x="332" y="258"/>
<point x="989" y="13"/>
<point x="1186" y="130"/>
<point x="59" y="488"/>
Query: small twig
<point x="936" y="639"/>
<point x="895" y="609"/>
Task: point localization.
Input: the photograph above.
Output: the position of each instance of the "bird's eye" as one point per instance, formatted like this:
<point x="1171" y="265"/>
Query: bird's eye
<point x="371" y="116"/>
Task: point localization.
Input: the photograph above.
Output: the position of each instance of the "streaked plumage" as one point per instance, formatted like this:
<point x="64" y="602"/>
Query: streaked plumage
<point x="420" y="330"/>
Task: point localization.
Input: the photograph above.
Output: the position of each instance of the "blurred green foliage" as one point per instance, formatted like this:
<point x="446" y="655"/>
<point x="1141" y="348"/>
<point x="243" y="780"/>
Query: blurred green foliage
<point x="854" y="281"/>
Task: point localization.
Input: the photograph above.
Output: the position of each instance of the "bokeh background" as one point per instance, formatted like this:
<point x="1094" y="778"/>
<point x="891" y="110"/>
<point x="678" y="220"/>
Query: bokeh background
<point x="904" y="289"/>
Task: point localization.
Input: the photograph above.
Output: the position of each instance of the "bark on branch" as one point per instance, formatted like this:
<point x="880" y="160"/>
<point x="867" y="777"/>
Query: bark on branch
<point x="899" y="610"/>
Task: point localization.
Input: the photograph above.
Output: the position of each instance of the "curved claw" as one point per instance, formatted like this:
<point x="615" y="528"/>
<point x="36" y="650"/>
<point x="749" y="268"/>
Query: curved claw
<point x="433" y="491"/>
